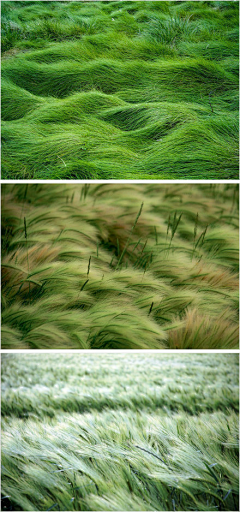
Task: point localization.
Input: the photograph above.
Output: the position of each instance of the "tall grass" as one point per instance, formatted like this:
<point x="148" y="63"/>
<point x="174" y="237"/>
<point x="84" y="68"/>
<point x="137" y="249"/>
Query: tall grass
<point x="120" y="432"/>
<point x="117" y="90"/>
<point x="104" y="266"/>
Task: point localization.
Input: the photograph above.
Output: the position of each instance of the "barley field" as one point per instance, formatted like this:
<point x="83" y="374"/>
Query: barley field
<point x="120" y="431"/>
<point x="120" y="90"/>
<point x="120" y="266"/>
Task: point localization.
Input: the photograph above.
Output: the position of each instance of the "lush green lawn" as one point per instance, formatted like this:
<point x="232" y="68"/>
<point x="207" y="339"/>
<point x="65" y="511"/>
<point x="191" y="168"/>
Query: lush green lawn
<point x="120" y="432"/>
<point x="124" y="90"/>
<point x="120" y="266"/>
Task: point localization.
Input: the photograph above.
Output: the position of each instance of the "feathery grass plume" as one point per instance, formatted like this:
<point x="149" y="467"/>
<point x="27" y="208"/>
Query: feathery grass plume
<point x="142" y="431"/>
<point x="80" y="269"/>
<point x="120" y="90"/>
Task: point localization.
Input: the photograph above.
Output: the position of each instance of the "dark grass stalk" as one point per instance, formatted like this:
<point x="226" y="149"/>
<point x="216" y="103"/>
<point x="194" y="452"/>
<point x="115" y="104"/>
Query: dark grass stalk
<point x="129" y="238"/>
<point x="89" y="264"/>
<point x="111" y="262"/>
<point x="143" y="248"/>
<point x="25" y="234"/>
<point x="148" y="262"/>
<point x="195" y="234"/>
<point x="58" y="237"/>
<point x="153" y="454"/>
<point x="137" y="217"/>
<point x="150" y="309"/>
<point x="136" y="245"/>
<point x="169" y="224"/>
<point x="84" y="284"/>
<point x="173" y="226"/>
<point x="200" y="240"/>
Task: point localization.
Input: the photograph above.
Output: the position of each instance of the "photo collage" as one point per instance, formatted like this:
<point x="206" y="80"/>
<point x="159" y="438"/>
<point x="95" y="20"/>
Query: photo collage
<point x="120" y="255"/>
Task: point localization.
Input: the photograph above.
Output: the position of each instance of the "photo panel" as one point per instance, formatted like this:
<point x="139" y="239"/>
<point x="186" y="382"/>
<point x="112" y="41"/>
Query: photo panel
<point x="120" y="431"/>
<point x="120" y="90"/>
<point x="120" y="266"/>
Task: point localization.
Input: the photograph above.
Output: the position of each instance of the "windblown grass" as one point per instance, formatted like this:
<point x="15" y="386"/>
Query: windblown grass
<point x="120" y="432"/>
<point x="104" y="266"/>
<point x="129" y="90"/>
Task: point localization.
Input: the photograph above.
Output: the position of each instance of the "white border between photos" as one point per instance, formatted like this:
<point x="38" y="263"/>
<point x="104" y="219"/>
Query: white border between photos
<point x="138" y="182"/>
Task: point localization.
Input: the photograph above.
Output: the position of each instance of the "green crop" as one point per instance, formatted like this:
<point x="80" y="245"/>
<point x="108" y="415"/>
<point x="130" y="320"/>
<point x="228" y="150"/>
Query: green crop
<point x="120" y="431"/>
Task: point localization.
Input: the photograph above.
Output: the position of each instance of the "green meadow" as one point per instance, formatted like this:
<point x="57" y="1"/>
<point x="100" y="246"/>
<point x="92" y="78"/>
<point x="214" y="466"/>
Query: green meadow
<point x="110" y="266"/>
<point x="120" y="90"/>
<point x="120" y="432"/>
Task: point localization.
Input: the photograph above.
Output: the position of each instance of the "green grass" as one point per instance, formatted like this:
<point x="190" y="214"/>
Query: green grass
<point x="133" y="267"/>
<point x="120" y="432"/>
<point x="120" y="90"/>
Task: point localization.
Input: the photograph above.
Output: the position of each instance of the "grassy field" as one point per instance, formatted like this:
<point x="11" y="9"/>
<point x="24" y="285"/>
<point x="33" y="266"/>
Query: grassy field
<point x="131" y="267"/>
<point x="120" y="90"/>
<point x="120" y="432"/>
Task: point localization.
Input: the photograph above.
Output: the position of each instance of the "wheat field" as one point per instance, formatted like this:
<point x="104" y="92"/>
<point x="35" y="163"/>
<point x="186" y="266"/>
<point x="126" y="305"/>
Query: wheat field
<point x="120" y="431"/>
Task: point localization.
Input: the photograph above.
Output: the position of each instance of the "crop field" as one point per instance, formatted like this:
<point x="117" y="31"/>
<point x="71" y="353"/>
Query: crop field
<point x="110" y="266"/>
<point x="120" y="431"/>
<point x="120" y="90"/>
